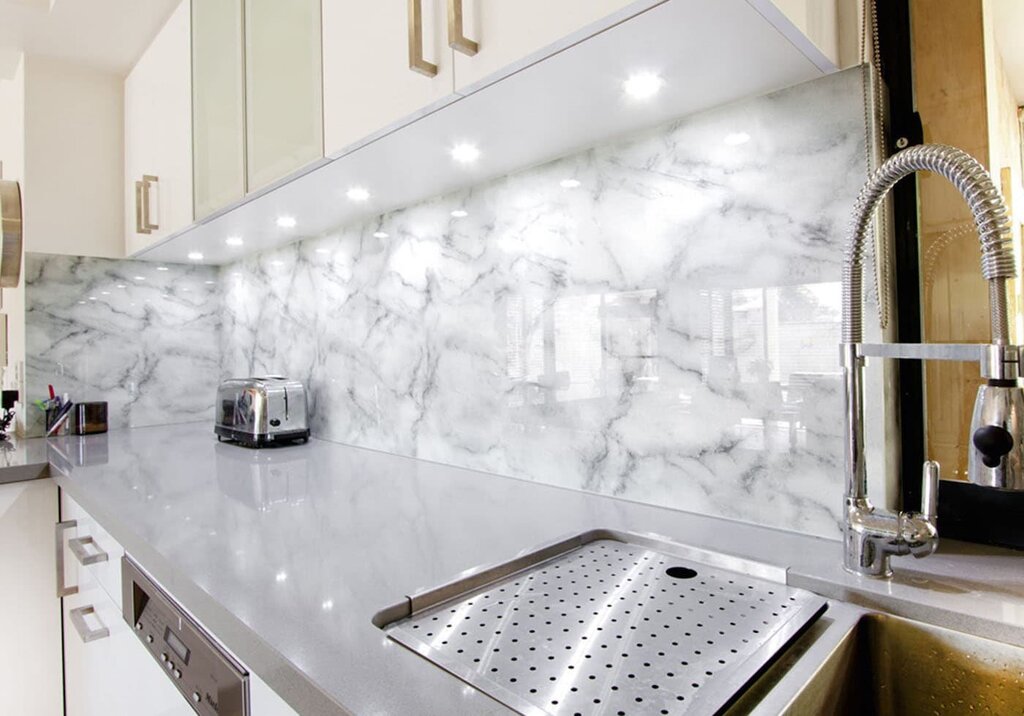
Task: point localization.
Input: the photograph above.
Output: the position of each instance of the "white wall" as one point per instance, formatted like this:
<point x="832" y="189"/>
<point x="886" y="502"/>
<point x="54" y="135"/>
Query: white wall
<point x="12" y="154"/>
<point x="74" y="158"/>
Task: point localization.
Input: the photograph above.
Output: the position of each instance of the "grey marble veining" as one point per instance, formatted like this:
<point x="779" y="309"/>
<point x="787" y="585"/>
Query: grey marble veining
<point x="143" y="337"/>
<point x="654" y="319"/>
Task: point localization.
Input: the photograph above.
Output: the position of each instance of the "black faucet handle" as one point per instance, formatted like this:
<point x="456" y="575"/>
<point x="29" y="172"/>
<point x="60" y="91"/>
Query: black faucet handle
<point x="992" y="441"/>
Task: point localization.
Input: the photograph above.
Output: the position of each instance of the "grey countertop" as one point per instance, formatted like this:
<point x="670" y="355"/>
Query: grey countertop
<point x="286" y="554"/>
<point x="22" y="460"/>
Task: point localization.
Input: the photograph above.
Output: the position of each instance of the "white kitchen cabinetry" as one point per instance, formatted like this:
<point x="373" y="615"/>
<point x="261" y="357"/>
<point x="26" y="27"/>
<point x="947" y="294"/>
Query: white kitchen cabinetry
<point x="283" y="88"/>
<point x="502" y="36"/>
<point x="381" y="68"/>
<point x="30" y="673"/>
<point x="158" y="137"/>
<point x="218" y="105"/>
<point x="107" y="671"/>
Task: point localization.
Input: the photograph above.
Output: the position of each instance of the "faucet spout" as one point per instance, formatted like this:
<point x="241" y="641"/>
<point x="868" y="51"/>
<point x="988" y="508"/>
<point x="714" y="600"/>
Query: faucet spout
<point x="871" y="535"/>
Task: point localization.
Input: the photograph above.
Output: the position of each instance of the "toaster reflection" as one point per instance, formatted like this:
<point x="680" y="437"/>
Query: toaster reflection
<point x="263" y="479"/>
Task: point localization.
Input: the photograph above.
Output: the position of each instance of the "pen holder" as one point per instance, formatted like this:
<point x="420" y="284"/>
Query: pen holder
<point x="52" y="416"/>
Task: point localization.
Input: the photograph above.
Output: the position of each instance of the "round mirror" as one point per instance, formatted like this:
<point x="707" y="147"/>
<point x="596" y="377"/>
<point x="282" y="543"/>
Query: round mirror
<point x="10" y="226"/>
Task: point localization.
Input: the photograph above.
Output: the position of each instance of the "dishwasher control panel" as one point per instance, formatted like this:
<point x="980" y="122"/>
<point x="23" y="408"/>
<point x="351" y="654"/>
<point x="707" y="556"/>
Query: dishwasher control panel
<point x="209" y="678"/>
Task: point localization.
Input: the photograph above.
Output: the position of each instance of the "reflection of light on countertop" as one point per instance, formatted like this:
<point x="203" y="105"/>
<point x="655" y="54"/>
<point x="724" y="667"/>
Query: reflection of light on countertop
<point x="281" y="576"/>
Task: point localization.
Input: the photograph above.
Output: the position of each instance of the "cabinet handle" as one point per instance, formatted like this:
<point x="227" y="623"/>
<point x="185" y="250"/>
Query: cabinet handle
<point x="416" y="61"/>
<point x="78" y="547"/>
<point x="456" y="40"/>
<point x="63" y="590"/>
<point x="78" y="622"/>
<point x="147" y="181"/>
<point x="140" y="197"/>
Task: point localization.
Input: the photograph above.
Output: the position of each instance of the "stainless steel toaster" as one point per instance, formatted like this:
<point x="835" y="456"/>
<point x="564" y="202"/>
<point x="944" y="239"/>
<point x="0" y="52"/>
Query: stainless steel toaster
<point x="261" y="411"/>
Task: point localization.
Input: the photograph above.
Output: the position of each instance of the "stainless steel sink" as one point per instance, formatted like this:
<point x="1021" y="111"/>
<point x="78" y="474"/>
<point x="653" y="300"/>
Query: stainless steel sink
<point x="888" y="665"/>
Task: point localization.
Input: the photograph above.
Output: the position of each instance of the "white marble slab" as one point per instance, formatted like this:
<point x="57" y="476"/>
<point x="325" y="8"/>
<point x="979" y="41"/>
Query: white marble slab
<point x="143" y="339"/>
<point x="664" y="332"/>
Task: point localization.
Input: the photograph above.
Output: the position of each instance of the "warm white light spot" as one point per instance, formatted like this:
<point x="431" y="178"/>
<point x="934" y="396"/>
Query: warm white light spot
<point x="460" y="214"/>
<point x="140" y="278"/>
<point x="569" y="183"/>
<point x="162" y="268"/>
<point x="92" y="298"/>
<point x="380" y="234"/>
<point x="357" y="193"/>
<point x="281" y="576"/>
<point x="234" y="241"/>
<point x="465" y="153"/>
<point x="195" y="256"/>
<point x="121" y="285"/>
<point x="643" y="85"/>
<point x="736" y="138"/>
<point x="286" y="222"/>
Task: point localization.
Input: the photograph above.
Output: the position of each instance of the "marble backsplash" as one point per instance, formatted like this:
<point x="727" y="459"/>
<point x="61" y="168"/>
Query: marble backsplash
<point x="145" y="338"/>
<point x="654" y="319"/>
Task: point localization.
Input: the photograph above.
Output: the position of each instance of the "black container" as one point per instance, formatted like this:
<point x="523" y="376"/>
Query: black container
<point x="90" y="418"/>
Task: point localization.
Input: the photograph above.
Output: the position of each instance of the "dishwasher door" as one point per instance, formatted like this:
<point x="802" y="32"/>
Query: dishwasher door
<point x="209" y="678"/>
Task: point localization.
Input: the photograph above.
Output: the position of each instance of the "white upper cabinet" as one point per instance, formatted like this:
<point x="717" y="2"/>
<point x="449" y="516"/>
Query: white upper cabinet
<point x="218" y="104"/>
<point x="497" y="38"/>
<point x="283" y="88"/>
<point x="158" y="137"/>
<point x="384" y="62"/>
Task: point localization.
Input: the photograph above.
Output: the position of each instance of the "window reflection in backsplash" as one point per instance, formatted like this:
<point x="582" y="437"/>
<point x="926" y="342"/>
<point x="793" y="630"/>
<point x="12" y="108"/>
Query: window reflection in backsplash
<point x="773" y="344"/>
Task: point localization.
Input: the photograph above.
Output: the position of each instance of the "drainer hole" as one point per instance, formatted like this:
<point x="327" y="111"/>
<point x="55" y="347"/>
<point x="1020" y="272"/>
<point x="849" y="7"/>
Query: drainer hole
<point x="681" y="572"/>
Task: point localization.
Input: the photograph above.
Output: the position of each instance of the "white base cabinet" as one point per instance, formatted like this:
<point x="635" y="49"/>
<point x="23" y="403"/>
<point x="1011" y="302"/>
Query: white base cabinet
<point x="30" y="681"/>
<point x="107" y="670"/>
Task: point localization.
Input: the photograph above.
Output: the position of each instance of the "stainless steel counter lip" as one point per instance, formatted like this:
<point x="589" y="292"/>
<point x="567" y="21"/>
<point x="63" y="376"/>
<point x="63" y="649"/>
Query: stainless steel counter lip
<point x="375" y="525"/>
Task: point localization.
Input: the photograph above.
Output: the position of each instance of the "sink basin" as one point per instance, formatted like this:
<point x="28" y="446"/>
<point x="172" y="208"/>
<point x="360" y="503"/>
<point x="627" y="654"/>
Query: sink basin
<point x="889" y="665"/>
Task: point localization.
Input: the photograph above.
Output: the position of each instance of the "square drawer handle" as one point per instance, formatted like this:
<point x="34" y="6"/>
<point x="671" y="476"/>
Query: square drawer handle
<point x="86" y="550"/>
<point x="84" y="631"/>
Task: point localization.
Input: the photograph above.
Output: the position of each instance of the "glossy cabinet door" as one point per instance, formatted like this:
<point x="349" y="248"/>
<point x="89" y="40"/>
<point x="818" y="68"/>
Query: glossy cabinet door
<point x="283" y="88"/>
<point x="508" y="34"/>
<point x="158" y="137"/>
<point x="218" y="104"/>
<point x="369" y="84"/>
<point x="30" y="673"/>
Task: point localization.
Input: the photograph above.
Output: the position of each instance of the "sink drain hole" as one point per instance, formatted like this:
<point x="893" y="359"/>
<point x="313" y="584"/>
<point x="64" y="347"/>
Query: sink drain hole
<point x="681" y="572"/>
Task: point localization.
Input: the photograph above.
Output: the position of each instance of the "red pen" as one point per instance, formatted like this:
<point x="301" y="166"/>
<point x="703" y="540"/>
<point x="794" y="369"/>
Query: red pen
<point x="52" y="394"/>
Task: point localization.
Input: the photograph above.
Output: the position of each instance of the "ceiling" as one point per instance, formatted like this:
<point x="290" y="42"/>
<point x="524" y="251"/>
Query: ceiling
<point x="1008" y="20"/>
<point x="108" y="35"/>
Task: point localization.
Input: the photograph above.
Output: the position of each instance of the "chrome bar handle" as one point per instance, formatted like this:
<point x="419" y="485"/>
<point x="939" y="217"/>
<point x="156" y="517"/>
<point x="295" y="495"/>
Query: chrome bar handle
<point x="140" y="227"/>
<point x="930" y="490"/>
<point x="63" y="590"/>
<point x="148" y="180"/>
<point x="416" y="61"/>
<point x="79" y="547"/>
<point x="456" y="39"/>
<point x="86" y="633"/>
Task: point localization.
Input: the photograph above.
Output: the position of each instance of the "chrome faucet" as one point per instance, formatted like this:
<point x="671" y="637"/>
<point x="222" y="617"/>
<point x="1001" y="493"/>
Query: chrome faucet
<point x="872" y="536"/>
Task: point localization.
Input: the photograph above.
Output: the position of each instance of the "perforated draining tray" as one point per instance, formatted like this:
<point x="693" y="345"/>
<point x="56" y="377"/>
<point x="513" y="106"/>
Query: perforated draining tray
<point x="608" y="622"/>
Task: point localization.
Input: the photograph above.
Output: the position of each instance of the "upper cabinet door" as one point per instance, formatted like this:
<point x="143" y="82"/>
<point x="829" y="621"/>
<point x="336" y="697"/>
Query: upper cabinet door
<point x="384" y="62"/>
<point x="158" y="137"/>
<point x="497" y="36"/>
<point x="283" y="88"/>
<point x="218" y="104"/>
